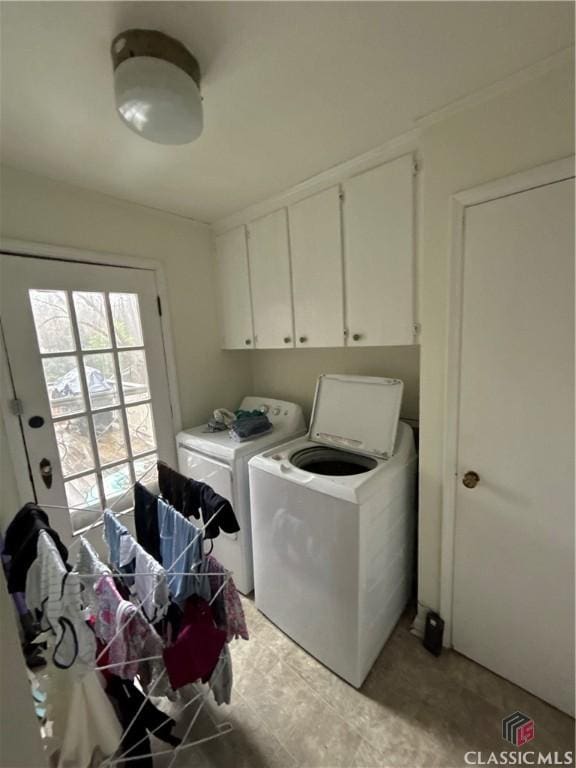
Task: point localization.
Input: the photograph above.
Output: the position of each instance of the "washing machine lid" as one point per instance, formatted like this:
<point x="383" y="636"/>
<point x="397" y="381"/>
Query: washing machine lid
<point x="357" y="413"/>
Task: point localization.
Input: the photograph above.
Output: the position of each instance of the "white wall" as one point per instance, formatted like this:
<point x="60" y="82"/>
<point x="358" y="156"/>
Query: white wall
<point x="292" y="374"/>
<point x="532" y="125"/>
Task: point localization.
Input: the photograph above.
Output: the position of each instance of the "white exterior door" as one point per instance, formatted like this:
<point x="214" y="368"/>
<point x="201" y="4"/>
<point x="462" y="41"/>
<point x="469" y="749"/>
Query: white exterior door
<point x="379" y="255"/>
<point x="269" y="257"/>
<point x="316" y="249"/>
<point x="234" y="290"/>
<point x="513" y="603"/>
<point x="86" y="356"/>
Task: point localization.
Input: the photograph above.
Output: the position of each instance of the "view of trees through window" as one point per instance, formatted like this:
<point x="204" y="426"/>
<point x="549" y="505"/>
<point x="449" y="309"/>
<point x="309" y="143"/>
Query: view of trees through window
<point x="94" y="362"/>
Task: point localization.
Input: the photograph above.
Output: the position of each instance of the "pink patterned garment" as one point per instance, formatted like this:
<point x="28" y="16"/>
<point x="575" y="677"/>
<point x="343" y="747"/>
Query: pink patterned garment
<point x="120" y="623"/>
<point x="227" y="608"/>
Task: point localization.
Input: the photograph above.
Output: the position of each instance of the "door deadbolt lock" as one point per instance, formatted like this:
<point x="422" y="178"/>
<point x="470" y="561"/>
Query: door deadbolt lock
<point x="471" y="479"/>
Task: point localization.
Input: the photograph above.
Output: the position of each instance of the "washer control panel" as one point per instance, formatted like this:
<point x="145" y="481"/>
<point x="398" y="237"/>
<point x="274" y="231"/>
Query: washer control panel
<point x="280" y="412"/>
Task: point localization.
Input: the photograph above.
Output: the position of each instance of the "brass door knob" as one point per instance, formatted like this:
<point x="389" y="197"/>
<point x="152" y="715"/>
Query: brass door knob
<point x="471" y="479"/>
<point x="248" y="342"/>
<point x="303" y="339"/>
<point x="287" y="339"/>
<point x="357" y="336"/>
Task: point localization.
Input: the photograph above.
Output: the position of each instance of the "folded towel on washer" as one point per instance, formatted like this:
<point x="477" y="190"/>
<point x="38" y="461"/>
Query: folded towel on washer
<point x="249" y="426"/>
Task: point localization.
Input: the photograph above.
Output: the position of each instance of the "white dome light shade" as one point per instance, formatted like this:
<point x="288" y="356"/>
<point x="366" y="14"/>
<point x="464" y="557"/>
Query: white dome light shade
<point x="158" y="100"/>
<point x="156" y="87"/>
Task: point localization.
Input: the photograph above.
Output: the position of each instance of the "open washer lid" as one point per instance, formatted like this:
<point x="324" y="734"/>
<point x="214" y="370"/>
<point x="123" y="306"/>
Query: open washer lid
<point x="357" y="413"/>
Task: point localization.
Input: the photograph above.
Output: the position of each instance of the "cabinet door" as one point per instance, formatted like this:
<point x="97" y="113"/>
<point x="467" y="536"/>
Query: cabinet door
<point x="316" y="250"/>
<point x="270" y="281"/>
<point x="379" y="255"/>
<point x="234" y="290"/>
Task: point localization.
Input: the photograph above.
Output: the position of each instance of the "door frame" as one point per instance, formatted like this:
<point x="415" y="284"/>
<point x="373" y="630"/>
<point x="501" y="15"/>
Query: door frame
<point x="542" y="175"/>
<point x="22" y="248"/>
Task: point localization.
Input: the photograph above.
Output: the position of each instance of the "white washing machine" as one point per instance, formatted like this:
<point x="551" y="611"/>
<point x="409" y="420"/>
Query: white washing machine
<point x="333" y="524"/>
<point x="222" y="463"/>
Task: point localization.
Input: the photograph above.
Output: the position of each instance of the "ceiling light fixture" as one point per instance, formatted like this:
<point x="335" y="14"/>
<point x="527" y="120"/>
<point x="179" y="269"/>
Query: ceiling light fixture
<point x="157" y="86"/>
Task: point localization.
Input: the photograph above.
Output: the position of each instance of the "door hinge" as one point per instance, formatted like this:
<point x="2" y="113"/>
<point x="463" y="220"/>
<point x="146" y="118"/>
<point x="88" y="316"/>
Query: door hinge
<point x="341" y="195"/>
<point x="159" y="302"/>
<point x="417" y="328"/>
<point x="415" y="168"/>
<point x="16" y="407"/>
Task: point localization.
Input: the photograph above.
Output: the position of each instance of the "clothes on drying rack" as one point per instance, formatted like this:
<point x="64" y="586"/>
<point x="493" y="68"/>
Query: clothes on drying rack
<point x="181" y="548"/>
<point x="117" y="536"/>
<point x="221" y="678"/>
<point x="121" y="626"/>
<point x="150" y="582"/>
<point x="146" y="520"/>
<point x="195" y="652"/>
<point x="140" y="717"/>
<point x="193" y="498"/>
<point x="89" y="566"/>
<point x="227" y="608"/>
<point x="20" y="543"/>
<point x="85" y="727"/>
<point x="53" y="594"/>
<point x="96" y="631"/>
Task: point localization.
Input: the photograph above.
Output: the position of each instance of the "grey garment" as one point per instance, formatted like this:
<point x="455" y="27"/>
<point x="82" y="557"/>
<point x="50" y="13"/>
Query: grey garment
<point x="221" y="680"/>
<point x="89" y="566"/>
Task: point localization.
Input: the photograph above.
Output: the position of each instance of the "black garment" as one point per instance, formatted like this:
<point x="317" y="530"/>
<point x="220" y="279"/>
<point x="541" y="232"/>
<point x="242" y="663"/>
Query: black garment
<point x="146" y="520"/>
<point x="127" y="701"/>
<point x="20" y="542"/>
<point x="203" y="496"/>
<point x="191" y="497"/>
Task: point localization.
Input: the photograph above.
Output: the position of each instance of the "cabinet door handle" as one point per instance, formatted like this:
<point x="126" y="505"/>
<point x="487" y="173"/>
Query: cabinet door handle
<point x="248" y="342"/>
<point x="287" y="339"/>
<point x="357" y="336"/>
<point x="303" y="339"/>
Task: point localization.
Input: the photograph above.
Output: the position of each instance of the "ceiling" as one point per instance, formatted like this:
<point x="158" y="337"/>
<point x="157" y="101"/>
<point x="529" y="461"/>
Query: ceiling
<point x="289" y="89"/>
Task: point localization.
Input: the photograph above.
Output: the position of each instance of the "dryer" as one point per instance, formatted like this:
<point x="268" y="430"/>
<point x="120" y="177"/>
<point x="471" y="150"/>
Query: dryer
<point x="218" y="460"/>
<point x="333" y="517"/>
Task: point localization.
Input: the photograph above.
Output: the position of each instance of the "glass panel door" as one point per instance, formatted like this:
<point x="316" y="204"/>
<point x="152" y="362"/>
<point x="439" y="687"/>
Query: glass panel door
<point x="91" y="337"/>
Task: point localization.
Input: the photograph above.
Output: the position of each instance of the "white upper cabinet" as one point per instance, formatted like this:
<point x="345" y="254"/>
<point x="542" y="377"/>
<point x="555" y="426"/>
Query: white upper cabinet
<point x="234" y="290"/>
<point x="379" y="255"/>
<point x="270" y="281"/>
<point x="316" y="251"/>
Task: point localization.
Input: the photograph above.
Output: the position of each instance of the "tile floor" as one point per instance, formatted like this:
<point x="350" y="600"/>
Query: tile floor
<point x="414" y="710"/>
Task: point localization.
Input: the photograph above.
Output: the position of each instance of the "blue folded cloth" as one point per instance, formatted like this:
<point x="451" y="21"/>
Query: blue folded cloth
<point x="250" y="426"/>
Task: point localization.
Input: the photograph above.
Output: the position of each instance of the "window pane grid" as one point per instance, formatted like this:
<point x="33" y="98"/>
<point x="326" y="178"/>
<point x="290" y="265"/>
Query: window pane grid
<point x="85" y="387"/>
<point x="113" y="348"/>
<point x="103" y="329"/>
<point x="120" y="391"/>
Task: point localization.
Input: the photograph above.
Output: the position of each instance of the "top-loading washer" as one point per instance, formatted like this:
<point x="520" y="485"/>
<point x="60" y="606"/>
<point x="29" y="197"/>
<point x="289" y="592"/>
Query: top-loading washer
<point x="333" y="524"/>
<point x="221" y="462"/>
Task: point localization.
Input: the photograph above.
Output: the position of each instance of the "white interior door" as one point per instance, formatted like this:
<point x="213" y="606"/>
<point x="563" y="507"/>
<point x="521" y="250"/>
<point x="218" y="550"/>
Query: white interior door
<point x="316" y="251"/>
<point x="513" y="605"/>
<point x="234" y="289"/>
<point x="86" y="355"/>
<point x="378" y="215"/>
<point x="269" y="258"/>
